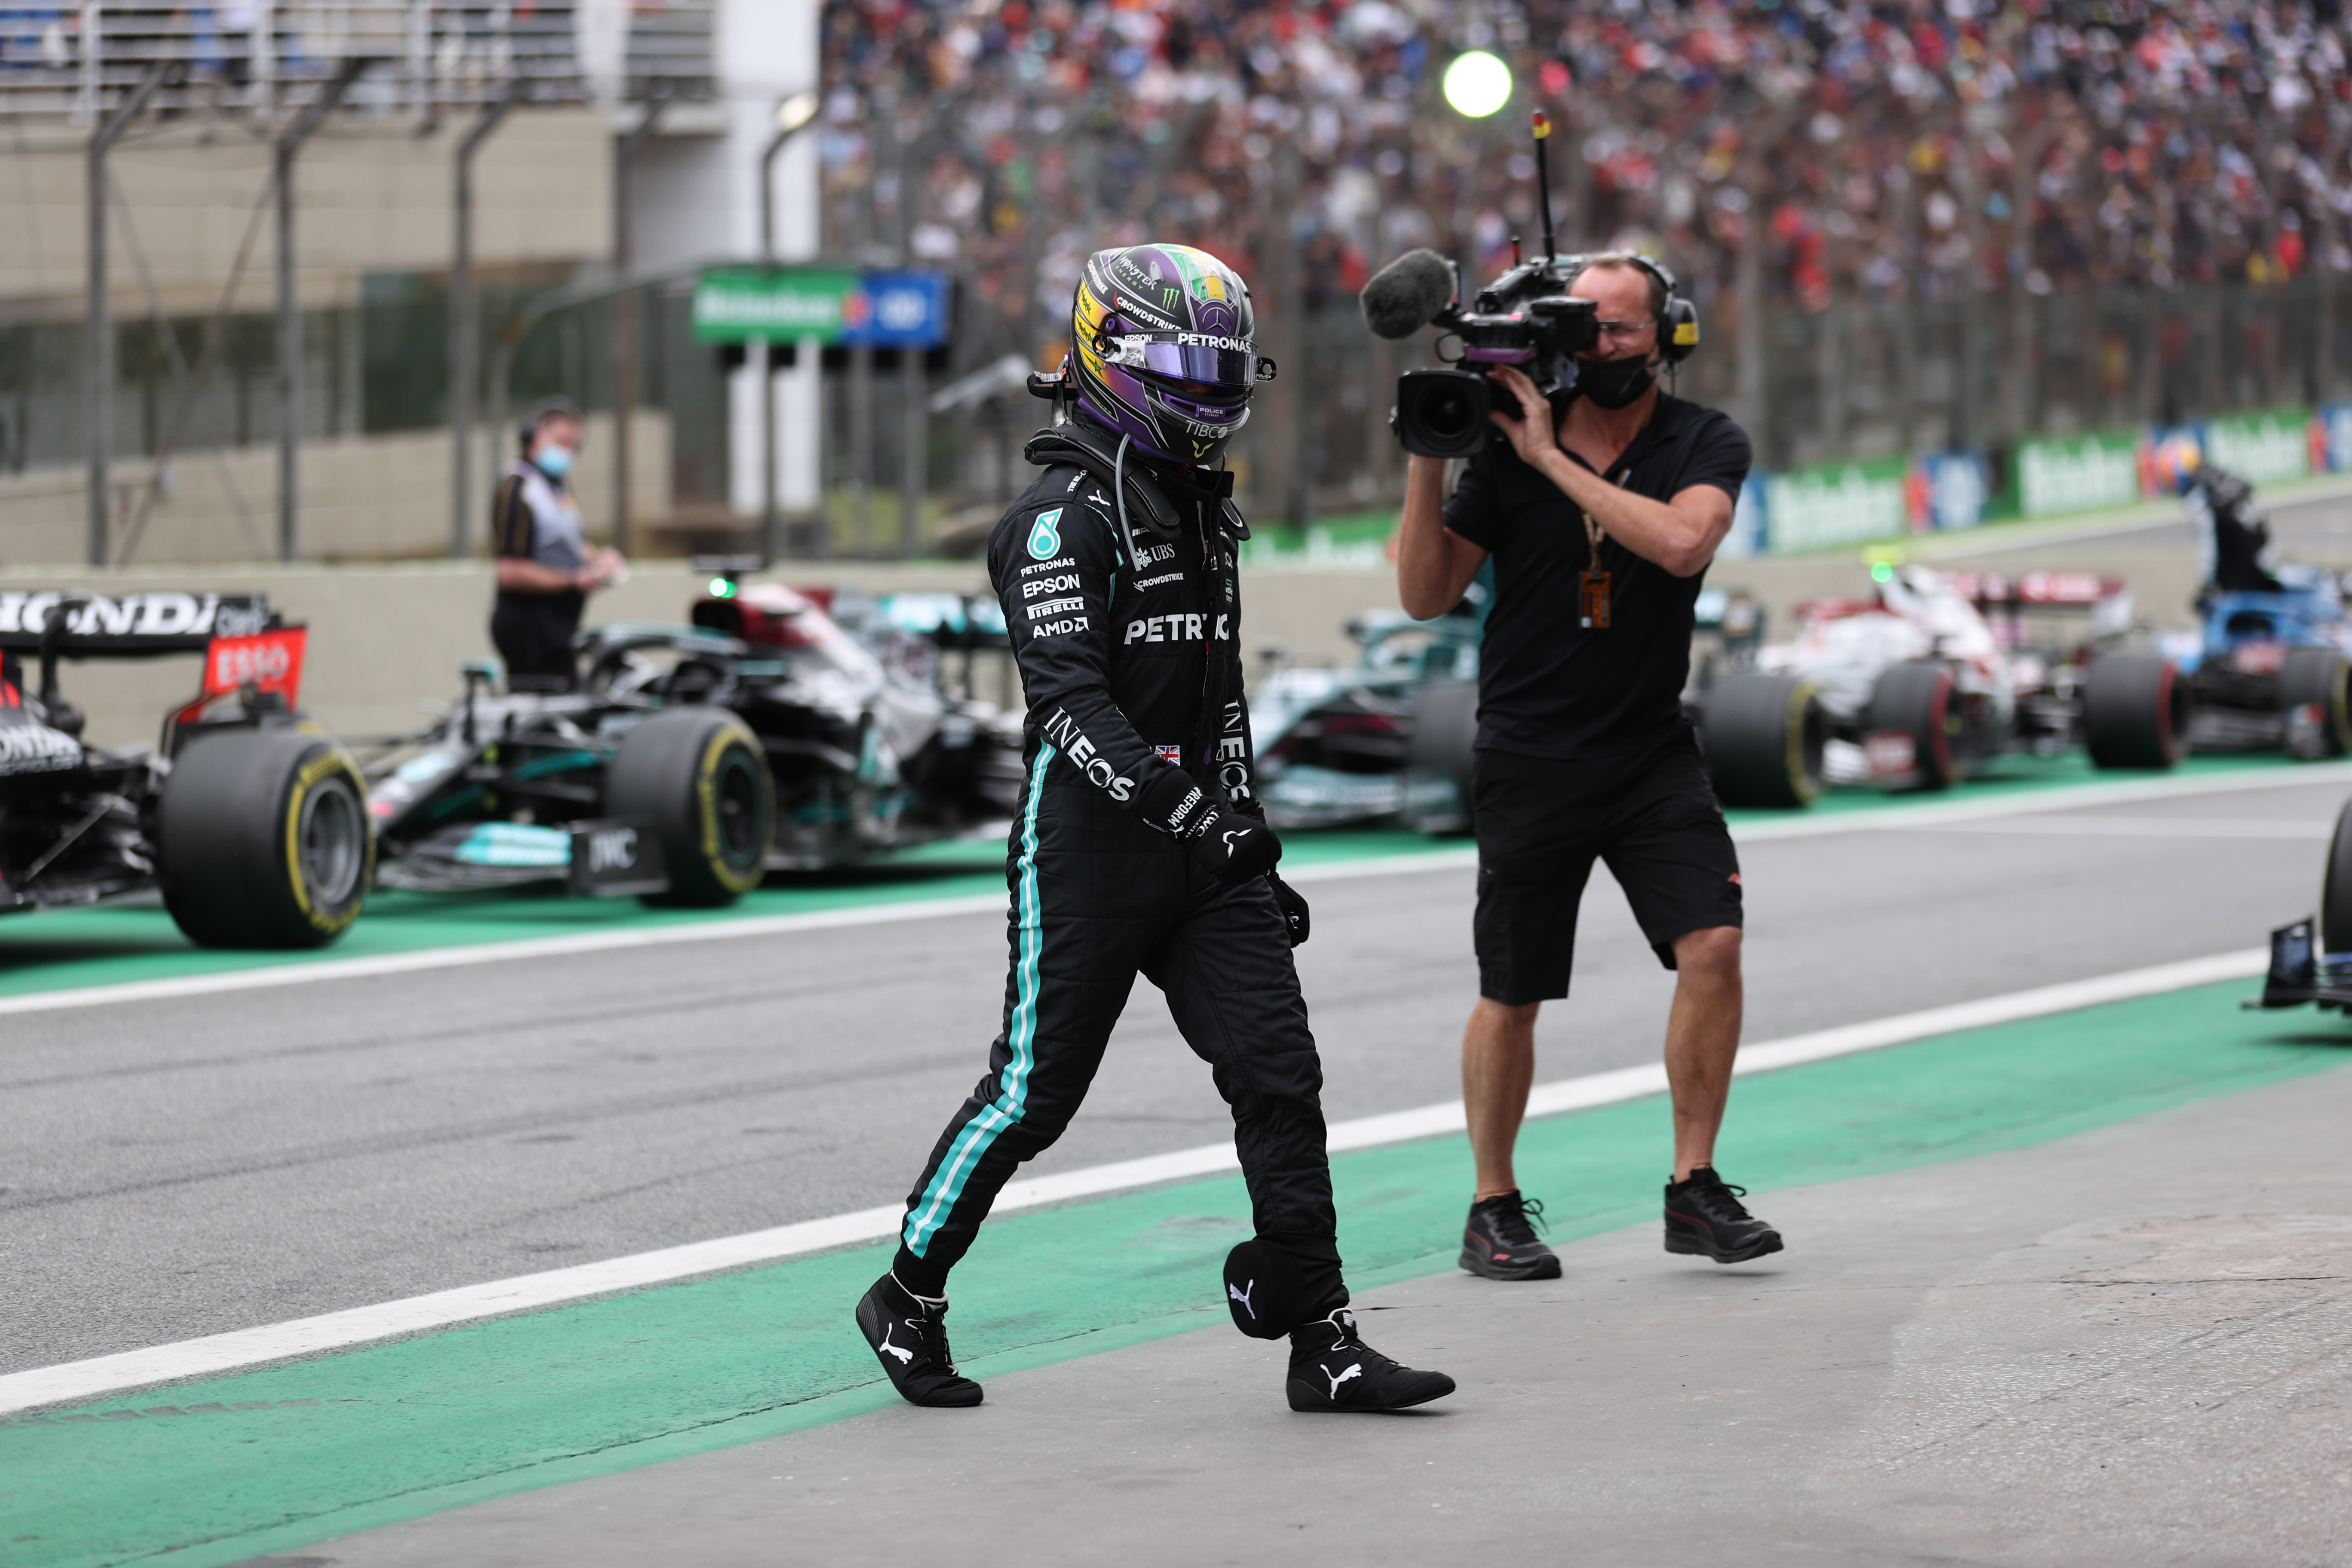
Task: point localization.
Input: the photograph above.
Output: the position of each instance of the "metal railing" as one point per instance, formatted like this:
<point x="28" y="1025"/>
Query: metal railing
<point x="267" y="57"/>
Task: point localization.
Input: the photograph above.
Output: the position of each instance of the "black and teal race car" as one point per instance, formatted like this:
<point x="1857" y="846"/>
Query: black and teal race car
<point x="690" y="761"/>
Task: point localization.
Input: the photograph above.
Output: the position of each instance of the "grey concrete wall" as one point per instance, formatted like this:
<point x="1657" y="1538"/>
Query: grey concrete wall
<point x="364" y="498"/>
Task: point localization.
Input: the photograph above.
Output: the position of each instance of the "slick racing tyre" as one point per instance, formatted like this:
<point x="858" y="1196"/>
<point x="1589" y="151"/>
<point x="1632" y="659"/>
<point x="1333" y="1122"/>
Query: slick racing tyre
<point x="2312" y="680"/>
<point x="1764" y="736"/>
<point x="1915" y="701"/>
<point x="263" y="839"/>
<point x="2135" y="710"/>
<point x="697" y="774"/>
<point x="2335" y="889"/>
<point x="1437" y="771"/>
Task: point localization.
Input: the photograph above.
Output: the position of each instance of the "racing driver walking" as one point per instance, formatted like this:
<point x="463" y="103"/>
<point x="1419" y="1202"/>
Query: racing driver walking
<point x="1141" y="846"/>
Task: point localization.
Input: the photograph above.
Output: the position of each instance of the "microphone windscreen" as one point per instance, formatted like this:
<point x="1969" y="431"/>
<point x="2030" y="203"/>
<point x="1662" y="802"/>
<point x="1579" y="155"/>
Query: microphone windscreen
<point x="1404" y="295"/>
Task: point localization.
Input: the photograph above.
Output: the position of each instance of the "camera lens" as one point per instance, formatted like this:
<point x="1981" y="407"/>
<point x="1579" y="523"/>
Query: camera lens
<point x="1443" y="413"/>
<point x="1448" y="416"/>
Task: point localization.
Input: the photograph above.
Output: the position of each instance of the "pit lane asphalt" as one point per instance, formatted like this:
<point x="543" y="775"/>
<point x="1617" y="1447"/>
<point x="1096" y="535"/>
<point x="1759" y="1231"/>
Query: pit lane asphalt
<point x="180" y="1168"/>
<point x="2315" y="529"/>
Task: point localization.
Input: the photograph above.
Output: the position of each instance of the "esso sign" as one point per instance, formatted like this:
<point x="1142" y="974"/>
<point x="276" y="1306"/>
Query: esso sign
<point x="272" y="661"/>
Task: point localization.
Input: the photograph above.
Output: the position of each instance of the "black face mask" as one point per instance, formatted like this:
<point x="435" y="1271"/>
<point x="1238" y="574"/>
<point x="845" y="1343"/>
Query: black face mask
<point x="1614" y="383"/>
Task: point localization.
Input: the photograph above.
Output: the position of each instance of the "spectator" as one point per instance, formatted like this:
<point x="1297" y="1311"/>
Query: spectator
<point x="1868" y="149"/>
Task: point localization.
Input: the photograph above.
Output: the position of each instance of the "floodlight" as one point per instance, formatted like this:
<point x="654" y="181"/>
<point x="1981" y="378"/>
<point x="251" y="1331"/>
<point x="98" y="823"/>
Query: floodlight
<point x="796" y="111"/>
<point x="1477" y="84"/>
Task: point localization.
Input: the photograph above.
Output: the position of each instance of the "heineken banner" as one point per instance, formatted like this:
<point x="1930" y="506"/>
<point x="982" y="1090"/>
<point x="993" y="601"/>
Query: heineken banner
<point x="2078" y="473"/>
<point x="1838" y="503"/>
<point x="834" y="305"/>
<point x="2273" y="445"/>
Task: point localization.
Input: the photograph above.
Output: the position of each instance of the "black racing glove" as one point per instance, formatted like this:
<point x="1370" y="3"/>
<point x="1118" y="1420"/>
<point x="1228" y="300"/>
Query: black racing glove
<point x="1293" y="907"/>
<point x="1230" y="846"/>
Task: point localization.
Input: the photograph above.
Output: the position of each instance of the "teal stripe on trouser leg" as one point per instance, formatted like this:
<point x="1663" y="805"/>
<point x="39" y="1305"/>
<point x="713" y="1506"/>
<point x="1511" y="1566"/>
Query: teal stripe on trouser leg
<point x="938" y="1199"/>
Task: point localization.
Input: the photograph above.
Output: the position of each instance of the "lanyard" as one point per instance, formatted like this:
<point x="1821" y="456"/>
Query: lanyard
<point x="1592" y="584"/>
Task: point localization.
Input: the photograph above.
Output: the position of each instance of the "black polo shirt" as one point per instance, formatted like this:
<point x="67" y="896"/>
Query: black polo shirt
<point x="1548" y="686"/>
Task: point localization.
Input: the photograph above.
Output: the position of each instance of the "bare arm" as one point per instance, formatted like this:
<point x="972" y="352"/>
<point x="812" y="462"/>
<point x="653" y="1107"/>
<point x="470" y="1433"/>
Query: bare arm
<point x="525" y="575"/>
<point x="1434" y="563"/>
<point x="1680" y="535"/>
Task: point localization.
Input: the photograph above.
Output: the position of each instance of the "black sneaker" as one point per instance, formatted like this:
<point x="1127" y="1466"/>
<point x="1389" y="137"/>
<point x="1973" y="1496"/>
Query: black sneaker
<point x="1500" y="1241"/>
<point x="1704" y="1217"/>
<point x="1331" y="1369"/>
<point x="909" y="1336"/>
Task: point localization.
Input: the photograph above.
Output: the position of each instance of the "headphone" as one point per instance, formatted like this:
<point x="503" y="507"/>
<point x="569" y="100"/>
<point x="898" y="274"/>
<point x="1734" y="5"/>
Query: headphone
<point x="545" y="409"/>
<point x="1677" y="317"/>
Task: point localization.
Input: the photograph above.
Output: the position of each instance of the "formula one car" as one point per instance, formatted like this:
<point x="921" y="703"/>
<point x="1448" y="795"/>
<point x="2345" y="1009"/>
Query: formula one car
<point x="1389" y="737"/>
<point x="2311" y="961"/>
<point x="1920" y="686"/>
<point x="2268" y="661"/>
<point x="248" y="818"/>
<point x="692" y="760"/>
<point x="2270" y="668"/>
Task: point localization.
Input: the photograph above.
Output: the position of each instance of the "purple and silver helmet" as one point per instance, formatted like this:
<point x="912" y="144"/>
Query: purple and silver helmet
<point x="1161" y="349"/>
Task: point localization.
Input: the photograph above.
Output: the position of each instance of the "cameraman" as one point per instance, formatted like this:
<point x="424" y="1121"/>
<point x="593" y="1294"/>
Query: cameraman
<point x="1600" y="518"/>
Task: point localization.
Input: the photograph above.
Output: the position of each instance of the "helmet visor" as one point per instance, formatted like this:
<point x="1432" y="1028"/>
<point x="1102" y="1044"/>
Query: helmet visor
<point x="1214" y="375"/>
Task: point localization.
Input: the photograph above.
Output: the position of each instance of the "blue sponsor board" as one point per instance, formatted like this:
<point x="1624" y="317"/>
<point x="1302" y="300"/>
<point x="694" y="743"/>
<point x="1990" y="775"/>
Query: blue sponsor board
<point x="1951" y="489"/>
<point x="897" y="310"/>
<point x="1749" y="534"/>
<point x="2335" y="435"/>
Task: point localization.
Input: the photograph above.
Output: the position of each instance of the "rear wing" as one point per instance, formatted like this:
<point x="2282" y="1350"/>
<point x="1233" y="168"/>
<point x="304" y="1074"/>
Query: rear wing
<point x="2106" y="600"/>
<point x="130" y="625"/>
<point x="2038" y="590"/>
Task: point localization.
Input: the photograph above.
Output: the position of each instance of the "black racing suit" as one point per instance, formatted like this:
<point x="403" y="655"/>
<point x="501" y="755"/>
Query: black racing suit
<point x="1130" y="655"/>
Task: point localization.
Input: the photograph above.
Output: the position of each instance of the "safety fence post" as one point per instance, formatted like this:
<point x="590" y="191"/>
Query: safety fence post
<point x="97" y="314"/>
<point x="463" y="334"/>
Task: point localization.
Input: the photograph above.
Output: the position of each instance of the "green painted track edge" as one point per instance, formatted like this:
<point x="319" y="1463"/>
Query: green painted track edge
<point x="2295" y="1035"/>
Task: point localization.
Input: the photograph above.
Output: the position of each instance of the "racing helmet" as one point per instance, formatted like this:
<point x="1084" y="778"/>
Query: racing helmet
<point x="1161" y="350"/>
<point x="2178" y="458"/>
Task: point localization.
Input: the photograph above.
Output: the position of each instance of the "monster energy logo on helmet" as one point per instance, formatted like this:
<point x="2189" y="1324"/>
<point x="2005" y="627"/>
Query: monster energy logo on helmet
<point x="1161" y="350"/>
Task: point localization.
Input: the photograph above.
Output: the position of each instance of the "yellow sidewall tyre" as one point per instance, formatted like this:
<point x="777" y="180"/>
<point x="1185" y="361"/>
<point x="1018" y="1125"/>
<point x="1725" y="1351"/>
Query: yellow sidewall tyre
<point x="700" y="777"/>
<point x="264" y="840"/>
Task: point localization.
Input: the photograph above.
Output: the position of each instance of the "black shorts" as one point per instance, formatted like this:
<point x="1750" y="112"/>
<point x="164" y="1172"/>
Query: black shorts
<point x="1651" y="816"/>
<point x="532" y="633"/>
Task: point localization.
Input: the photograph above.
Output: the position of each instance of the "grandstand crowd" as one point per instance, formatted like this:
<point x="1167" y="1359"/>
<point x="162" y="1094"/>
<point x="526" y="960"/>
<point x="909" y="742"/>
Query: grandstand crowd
<point x="1856" y="151"/>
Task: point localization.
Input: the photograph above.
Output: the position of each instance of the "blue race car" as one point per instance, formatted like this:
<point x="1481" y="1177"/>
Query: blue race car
<point x="2269" y="664"/>
<point x="2270" y="669"/>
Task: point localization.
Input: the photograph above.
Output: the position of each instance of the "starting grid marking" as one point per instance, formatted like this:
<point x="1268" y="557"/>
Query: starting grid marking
<point x="77" y="1380"/>
<point x="1810" y="824"/>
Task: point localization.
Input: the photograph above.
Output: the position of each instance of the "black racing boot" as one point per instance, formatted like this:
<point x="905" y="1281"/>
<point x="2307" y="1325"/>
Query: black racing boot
<point x="1500" y="1240"/>
<point x="909" y="1336"/>
<point x="1331" y="1369"/>
<point x="1705" y="1218"/>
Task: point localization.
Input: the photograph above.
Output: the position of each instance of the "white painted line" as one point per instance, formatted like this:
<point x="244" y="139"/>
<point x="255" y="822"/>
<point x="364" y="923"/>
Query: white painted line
<point x="1895" y="817"/>
<point x="2037" y="801"/>
<point x="82" y="1380"/>
<point x="2141" y="827"/>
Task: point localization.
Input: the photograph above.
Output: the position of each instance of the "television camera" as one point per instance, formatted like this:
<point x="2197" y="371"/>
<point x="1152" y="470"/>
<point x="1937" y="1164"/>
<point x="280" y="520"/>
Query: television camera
<point x="1525" y="318"/>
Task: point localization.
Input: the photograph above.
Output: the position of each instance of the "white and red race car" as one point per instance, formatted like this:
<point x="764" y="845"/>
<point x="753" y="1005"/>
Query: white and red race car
<point x="1918" y="686"/>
